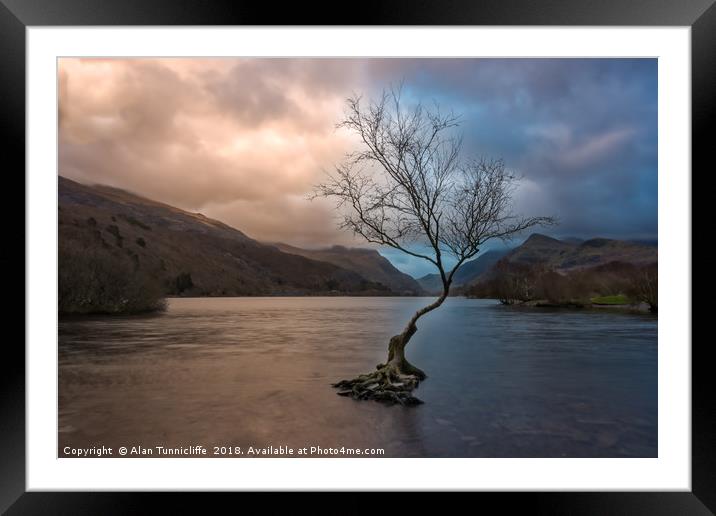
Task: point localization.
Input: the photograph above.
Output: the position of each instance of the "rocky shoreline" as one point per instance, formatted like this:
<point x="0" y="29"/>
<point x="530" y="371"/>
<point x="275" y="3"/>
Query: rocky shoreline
<point x="640" y="308"/>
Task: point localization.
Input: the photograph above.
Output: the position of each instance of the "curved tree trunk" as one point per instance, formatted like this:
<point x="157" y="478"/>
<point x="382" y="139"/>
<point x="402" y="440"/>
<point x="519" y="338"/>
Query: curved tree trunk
<point x="397" y="344"/>
<point x="394" y="380"/>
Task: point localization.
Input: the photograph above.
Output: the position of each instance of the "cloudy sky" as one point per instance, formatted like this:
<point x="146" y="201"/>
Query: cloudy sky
<point x="245" y="140"/>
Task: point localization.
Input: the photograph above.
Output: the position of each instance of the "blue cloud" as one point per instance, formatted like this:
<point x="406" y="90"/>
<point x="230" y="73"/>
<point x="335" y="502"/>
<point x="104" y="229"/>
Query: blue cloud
<point x="582" y="132"/>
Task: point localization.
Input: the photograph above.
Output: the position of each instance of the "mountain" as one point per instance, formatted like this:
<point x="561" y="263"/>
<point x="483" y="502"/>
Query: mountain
<point x="539" y="249"/>
<point x="551" y="272"/>
<point x="561" y="255"/>
<point x="467" y="273"/>
<point x="651" y="242"/>
<point x="186" y="253"/>
<point x="366" y="262"/>
<point x="564" y="256"/>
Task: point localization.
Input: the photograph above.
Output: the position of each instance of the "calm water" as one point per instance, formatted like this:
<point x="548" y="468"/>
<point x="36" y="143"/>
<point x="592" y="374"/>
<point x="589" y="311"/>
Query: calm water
<point x="502" y="382"/>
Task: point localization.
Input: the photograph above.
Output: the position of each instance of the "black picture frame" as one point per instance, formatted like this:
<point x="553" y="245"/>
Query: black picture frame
<point x="17" y="15"/>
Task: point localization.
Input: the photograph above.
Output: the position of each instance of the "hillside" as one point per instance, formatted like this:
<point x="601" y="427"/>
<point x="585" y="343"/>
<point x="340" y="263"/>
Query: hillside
<point x="562" y="256"/>
<point x="570" y="255"/>
<point x="366" y="262"/>
<point x="596" y="272"/>
<point x="185" y="253"/>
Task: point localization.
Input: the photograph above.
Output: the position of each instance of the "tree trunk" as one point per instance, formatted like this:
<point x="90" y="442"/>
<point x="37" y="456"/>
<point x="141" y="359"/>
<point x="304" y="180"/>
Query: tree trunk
<point x="396" y="354"/>
<point x="396" y="347"/>
<point x="394" y="381"/>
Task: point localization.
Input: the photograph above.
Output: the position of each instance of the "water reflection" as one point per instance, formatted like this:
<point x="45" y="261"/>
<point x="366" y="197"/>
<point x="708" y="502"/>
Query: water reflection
<point x="257" y="371"/>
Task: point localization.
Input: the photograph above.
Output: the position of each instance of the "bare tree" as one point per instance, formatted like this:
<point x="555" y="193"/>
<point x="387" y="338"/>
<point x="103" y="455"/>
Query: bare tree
<point x="644" y="286"/>
<point x="409" y="188"/>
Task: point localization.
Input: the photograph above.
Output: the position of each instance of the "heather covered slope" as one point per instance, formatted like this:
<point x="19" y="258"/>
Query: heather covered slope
<point x="183" y="253"/>
<point x="562" y="255"/>
<point x="559" y="255"/>
<point x="366" y="262"/>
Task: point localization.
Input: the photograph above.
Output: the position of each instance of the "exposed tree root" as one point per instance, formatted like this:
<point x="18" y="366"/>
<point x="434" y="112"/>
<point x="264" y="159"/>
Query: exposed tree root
<point x="390" y="383"/>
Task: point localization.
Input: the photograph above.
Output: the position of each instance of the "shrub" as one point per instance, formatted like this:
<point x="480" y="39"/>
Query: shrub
<point x="644" y="286"/>
<point x="112" y="229"/>
<point x="97" y="281"/>
<point x="515" y="282"/>
<point x="182" y="283"/>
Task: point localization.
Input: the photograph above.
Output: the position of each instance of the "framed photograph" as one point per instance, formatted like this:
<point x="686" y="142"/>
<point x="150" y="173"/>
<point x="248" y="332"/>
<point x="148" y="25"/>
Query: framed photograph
<point x="420" y="252"/>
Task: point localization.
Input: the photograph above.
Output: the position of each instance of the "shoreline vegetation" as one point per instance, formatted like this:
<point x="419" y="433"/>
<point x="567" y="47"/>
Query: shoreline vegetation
<point x="628" y="307"/>
<point x="130" y="307"/>
<point x="612" y="286"/>
<point x="100" y="282"/>
<point x="92" y="282"/>
<point x="103" y="281"/>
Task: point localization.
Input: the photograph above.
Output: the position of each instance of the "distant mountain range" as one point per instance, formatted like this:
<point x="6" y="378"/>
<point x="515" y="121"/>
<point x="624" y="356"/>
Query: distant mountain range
<point x="561" y="255"/>
<point x="366" y="262"/>
<point x="566" y="255"/>
<point x="466" y="274"/>
<point x="548" y="272"/>
<point x="194" y="255"/>
<point x="191" y="254"/>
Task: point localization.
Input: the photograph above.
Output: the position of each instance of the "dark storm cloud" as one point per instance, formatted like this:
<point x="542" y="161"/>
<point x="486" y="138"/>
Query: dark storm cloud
<point x="582" y="132"/>
<point x="244" y="140"/>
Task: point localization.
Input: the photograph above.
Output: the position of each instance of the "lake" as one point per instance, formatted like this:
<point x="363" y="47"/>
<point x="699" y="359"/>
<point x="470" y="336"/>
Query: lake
<point x="256" y="372"/>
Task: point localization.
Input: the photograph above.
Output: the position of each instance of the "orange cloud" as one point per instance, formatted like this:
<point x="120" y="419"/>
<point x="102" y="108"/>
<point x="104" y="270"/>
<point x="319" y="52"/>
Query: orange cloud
<point x="242" y="140"/>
